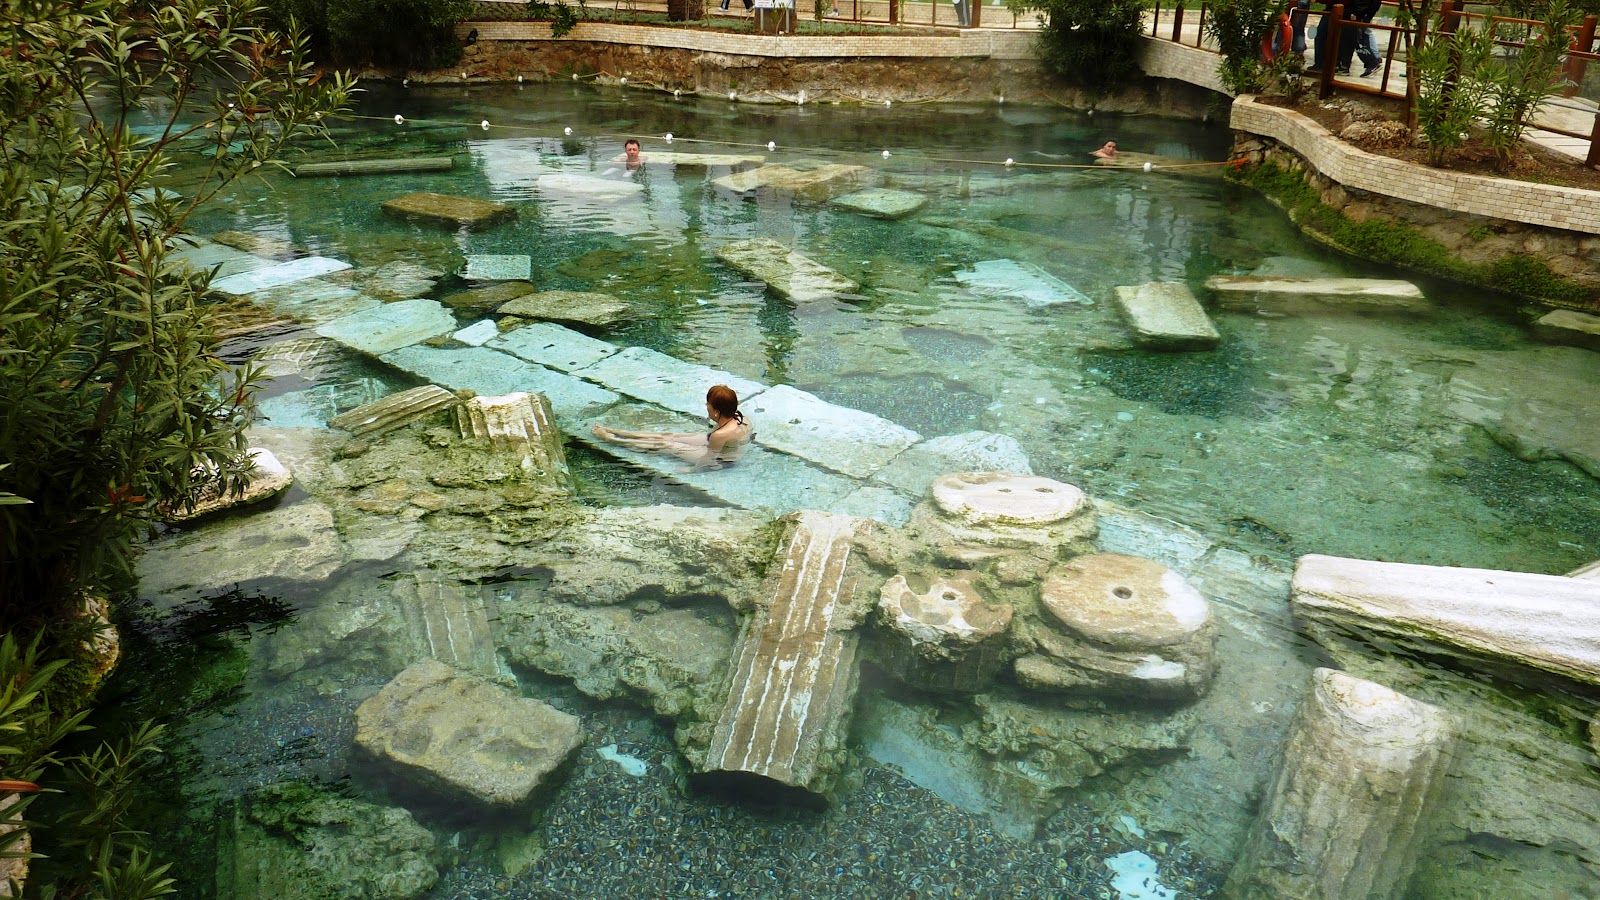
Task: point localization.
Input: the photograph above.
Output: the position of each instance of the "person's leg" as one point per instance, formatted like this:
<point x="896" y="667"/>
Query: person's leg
<point x="1371" y="58"/>
<point x="1320" y="44"/>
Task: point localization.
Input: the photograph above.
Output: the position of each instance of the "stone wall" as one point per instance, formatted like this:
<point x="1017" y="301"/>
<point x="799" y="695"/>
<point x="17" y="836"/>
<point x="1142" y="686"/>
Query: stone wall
<point x="975" y="65"/>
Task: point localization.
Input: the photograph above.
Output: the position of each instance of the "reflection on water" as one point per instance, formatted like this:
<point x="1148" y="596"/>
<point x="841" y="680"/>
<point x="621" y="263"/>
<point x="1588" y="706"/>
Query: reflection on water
<point x="1310" y="430"/>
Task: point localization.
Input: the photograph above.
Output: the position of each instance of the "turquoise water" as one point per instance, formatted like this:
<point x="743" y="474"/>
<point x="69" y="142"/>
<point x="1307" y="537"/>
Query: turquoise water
<point x="1350" y="432"/>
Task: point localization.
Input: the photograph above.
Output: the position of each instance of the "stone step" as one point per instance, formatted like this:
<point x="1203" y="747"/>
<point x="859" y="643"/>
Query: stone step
<point x="789" y="274"/>
<point x="1164" y="315"/>
<point x="1020" y="281"/>
<point x="275" y="274"/>
<point x="391" y="326"/>
<point x="375" y="166"/>
<point x="554" y="346"/>
<point x="794" y="674"/>
<point x="452" y="622"/>
<point x="1507" y="622"/>
<point x="395" y="410"/>
<point x="522" y="423"/>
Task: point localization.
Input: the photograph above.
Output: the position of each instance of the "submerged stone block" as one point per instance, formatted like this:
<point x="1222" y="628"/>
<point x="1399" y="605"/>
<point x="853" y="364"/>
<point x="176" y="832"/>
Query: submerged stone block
<point x="789" y="274"/>
<point x="487" y="371"/>
<point x="1568" y="326"/>
<point x="1248" y="291"/>
<point x="226" y="260"/>
<point x="1164" y="315"/>
<point x="523" y="424"/>
<point x="665" y="380"/>
<point x="486" y="299"/>
<point x="276" y="274"/>
<point x="835" y="437"/>
<point x="478" y="333"/>
<point x="465" y="738"/>
<point x="313" y="300"/>
<point x="1020" y="281"/>
<point x="395" y="410"/>
<point x="293" y="542"/>
<point x="1506" y="622"/>
<point x="494" y="267"/>
<point x="555" y="346"/>
<point x="1348" y="810"/>
<point x="452" y="623"/>
<point x="374" y="166"/>
<point x="589" y="187"/>
<point x="817" y="185"/>
<point x="704" y="160"/>
<point x="449" y="212"/>
<point x="258" y="245"/>
<point x="386" y="328"/>
<point x="585" y="308"/>
<point x="915" y="470"/>
<point x="882" y="203"/>
<point x="795" y="673"/>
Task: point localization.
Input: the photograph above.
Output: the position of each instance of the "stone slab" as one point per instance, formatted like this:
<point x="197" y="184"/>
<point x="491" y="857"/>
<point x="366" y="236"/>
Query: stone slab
<point x="1164" y="315"/>
<point x="789" y="274"/>
<point x="882" y="203"/>
<point x="703" y="160"/>
<point x="1020" y="281"/>
<point x="478" y="333"/>
<point x="276" y="274"/>
<point x="554" y="346"/>
<point x="452" y="620"/>
<point x="818" y="185"/>
<point x="449" y="212"/>
<point x="846" y="440"/>
<point x="761" y="479"/>
<point x="1568" y="326"/>
<point x="666" y="381"/>
<point x="499" y="267"/>
<point x="293" y="542"/>
<point x="490" y="372"/>
<point x="913" y="471"/>
<point x="226" y="260"/>
<point x="486" y="299"/>
<point x="375" y="166"/>
<point x="589" y="187"/>
<point x="386" y="328"/>
<point x="1369" y="293"/>
<point x="314" y="301"/>
<point x="1548" y="623"/>
<point x="794" y="674"/>
<point x="395" y="410"/>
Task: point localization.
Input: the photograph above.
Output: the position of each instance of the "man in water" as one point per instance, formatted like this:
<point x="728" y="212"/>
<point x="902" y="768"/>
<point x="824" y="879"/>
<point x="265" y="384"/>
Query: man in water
<point x="631" y="155"/>
<point x="1109" y="151"/>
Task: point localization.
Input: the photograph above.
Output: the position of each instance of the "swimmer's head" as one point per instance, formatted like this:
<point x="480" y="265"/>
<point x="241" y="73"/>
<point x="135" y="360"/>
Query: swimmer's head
<point x="722" y="402"/>
<point x="630" y="148"/>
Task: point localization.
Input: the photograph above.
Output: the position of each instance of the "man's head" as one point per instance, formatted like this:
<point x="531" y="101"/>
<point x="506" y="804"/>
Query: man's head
<point x="630" y="149"/>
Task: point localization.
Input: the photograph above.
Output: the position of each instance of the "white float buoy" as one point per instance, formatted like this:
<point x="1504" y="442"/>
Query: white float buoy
<point x="802" y="100"/>
<point x="771" y="146"/>
<point x="405" y="82"/>
<point x="624" y="80"/>
<point x="733" y="95"/>
<point x="1147" y="167"/>
<point x="519" y="79"/>
<point x="574" y="76"/>
<point x="669" y="137"/>
<point x="399" y="119"/>
<point x="885" y="154"/>
<point x="886" y="103"/>
<point x="484" y="124"/>
<point x="463" y="76"/>
<point x="567" y="130"/>
<point x="1002" y="99"/>
<point x="1010" y="162"/>
<point x="676" y="94"/>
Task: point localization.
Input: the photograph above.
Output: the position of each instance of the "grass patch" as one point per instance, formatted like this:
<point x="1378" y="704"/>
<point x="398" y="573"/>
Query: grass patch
<point x="1402" y="245"/>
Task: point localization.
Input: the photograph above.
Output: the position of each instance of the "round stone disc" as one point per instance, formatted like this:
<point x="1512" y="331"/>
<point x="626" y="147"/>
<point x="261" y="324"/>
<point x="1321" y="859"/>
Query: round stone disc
<point x="998" y="498"/>
<point x="1125" y="601"/>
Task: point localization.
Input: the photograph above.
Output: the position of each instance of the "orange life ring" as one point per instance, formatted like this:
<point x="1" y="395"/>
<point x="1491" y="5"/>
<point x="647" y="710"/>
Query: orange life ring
<point x="1284" y="39"/>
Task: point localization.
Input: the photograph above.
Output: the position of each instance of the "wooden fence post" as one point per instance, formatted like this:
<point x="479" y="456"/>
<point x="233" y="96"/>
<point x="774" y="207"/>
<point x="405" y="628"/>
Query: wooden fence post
<point x="1177" y="23"/>
<point x="1577" y="66"/>
<point x="1330" y="51"/>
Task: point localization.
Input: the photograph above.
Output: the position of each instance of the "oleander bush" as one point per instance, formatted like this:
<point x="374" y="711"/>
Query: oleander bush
<point x="1092" y="43"/>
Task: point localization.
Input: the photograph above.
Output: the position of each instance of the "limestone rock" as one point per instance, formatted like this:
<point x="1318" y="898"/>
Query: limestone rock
<point x="296" y="542"/>
<point x="581" y="307"/>
<point x="478" y="333"/>
<point x="278" y="274"/>
<point x="1248" y="291"/>
<point x="1510" y="623"/>
<point x="301" y="356"/>
<point x="374" y="166"/>
<point x="975" y="516"/>
<point x="293" y="842"/>
<point x="489" y="298"/>
<point x="256" y="245"/>
<point x="1568" y="326"/>
<point x="1318" y="836"/>
<point x="1130" y="628"/>
<point x="794" y="679"/>
<point x="939" y="632"/>
<point x="1590" y="571"/>
<point x="788" y="273"/>
<point x="817" y="185"/>
<point x="449" y="212"/>
<point x="1166" y="316"/>
<point x="457" y="735"/>
<point x="395" y="411"/>
<point x="523" y="424"/>
<point x="1019" y="281"/>
<point x="882" y="203"/>
<point x="704" y="160"/>
<point x="268" y="478"/>
<point x="499" y="267"/>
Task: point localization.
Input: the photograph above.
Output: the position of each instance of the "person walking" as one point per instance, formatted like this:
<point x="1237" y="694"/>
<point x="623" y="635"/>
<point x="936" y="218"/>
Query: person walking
<point x="1356" y="41"/>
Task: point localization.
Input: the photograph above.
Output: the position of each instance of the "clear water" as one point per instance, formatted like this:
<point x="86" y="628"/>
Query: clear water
<point x="1310" y="430"/>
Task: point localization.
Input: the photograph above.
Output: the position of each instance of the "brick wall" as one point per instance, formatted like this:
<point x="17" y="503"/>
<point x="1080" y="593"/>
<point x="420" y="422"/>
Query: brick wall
<point x="1164" y="59"/>
<point x="1547" y="206"/>
<point x="978" y="43"/>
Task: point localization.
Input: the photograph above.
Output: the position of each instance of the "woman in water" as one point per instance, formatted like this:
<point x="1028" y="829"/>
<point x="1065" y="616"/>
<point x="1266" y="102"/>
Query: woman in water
<point x="730" y="434"/>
